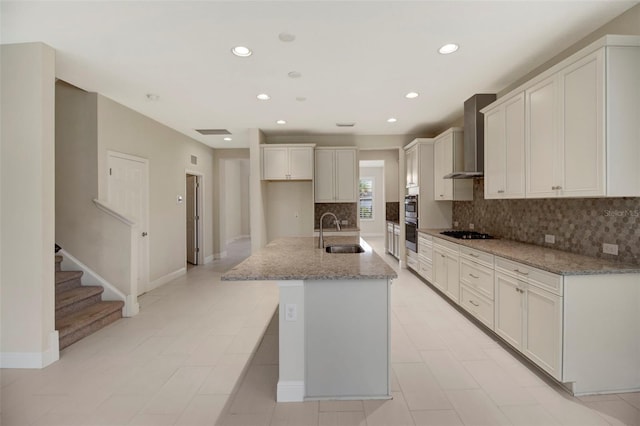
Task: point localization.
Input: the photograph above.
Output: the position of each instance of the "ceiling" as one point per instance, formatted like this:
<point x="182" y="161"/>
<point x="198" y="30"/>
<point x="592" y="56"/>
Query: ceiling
<point x="357" y="59"/>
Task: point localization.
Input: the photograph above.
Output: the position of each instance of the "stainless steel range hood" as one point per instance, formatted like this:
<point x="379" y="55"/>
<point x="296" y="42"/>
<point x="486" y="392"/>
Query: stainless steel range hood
<point x="473" y="137"/>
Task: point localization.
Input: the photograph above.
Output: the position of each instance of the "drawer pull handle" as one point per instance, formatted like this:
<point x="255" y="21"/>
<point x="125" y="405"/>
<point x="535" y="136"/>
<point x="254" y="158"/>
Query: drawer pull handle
<point x="473" y="276"/>
<point x="473" y="303"/>
<point x="501" y="191"/>
<point x="474" y="255"/>
<point x="520" y="272"/>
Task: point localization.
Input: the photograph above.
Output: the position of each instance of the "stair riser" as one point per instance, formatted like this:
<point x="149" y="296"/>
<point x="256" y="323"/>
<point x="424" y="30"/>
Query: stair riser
<point x="76" y="306"/>
<point x="89" y="329"/>
<point x="68" y="285"/>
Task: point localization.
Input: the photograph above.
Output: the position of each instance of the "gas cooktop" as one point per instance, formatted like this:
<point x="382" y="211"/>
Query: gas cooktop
<point x="467" y="235"/>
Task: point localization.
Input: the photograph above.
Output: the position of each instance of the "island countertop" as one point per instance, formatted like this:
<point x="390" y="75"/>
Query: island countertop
<point x="299" y="258"/>
<point x="548" y="259"/>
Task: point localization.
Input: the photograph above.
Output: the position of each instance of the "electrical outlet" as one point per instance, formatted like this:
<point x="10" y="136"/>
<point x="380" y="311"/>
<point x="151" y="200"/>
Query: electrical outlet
<point x="551" y="239"/>
<point x="344" y="222"/>
<point x="471" y="226"/>
<point x="291" y="312"/>
<point x="455" y="223"/>
<point x="610" y="249"/>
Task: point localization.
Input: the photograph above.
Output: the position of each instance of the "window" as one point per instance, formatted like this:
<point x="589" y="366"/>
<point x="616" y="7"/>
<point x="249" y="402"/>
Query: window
<point x="366" y="199"/>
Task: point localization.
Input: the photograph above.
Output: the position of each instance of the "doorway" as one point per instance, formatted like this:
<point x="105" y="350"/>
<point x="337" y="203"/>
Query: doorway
<point x="371" y="201"/>
<point x="128" y="194"/>
<point x="194" y="240"/>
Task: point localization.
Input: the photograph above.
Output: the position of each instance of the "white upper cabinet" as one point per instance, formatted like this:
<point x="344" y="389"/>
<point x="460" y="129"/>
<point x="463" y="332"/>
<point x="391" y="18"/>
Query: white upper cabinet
<point x="336" y="175"/>
<point x="411" y="156"/>
<point x="504" y="175"/>
<point x="287" y="162"/>
<point x="449" y="157"/>
<point x="581" y="127"/>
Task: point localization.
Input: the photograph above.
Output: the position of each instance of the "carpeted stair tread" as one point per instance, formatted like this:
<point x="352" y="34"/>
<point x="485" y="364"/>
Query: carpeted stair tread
<point x="87" y="316"/>
<point x="64" y="276"/>
<point x="69" y="297"/>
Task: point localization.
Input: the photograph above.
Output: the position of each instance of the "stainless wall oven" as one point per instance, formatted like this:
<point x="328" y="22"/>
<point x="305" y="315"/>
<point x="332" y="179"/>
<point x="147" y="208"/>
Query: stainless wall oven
<point x="411" y="222"/>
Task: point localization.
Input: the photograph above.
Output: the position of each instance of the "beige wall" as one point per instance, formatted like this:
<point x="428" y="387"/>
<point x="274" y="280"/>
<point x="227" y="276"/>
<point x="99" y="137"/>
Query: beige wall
<point x="98" y="240"/>
<point x="28" y="338"/>
<point x="257" y="192"/>
<point x="169" y="154"/>
<point x="391" y="170"/>
<point x="235" y="206"/>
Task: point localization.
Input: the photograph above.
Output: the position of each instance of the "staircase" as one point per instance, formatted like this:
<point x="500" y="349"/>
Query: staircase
<point x="80" y="310"/>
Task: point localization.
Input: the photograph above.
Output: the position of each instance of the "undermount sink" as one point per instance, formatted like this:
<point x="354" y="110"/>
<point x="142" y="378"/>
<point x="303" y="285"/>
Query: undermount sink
<point x="344" y="248"/>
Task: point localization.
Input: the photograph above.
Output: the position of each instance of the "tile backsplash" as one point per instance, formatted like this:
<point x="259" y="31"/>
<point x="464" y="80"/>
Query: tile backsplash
<point x="580" y="225"/>
<point x="392" y="211"/>
<point x="344" y="211"/>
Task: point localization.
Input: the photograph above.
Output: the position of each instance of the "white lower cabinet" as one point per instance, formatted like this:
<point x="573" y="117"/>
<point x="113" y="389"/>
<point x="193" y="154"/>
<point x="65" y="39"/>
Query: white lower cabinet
<point x="390" y="238"/>
<point x="425" y="256"/>
<point x="446" y="271"/>
<point x="412" y="260"/>
<point x="529" y="318"/>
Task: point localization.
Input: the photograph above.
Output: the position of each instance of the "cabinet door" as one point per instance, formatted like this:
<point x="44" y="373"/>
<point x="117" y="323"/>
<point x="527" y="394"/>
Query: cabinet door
<point x="411" y="159"/>
<point x="583" y="127"/>
<point x="453" y="277"/>
<point x="301" y="163"/>
<point x="542" y="139"/>
<point x="439" y="269"/>
<point x="494" y="153"/>
<point x="514" y="148"/>
<point x="390" y="238"/>
<point x="324" y="176"/>
<point x="396" y="240"/>
<point x="275" y="164"/>
<point x="543" y="337"/>
<point x="440" y="169"/>
<point x="509" y="310"/>
<point x="346" y="174"/>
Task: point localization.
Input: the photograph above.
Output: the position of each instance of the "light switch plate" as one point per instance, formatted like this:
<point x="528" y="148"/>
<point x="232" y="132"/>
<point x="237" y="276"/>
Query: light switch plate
<point x="610" y="249"/>
<point x="551" y="239"/>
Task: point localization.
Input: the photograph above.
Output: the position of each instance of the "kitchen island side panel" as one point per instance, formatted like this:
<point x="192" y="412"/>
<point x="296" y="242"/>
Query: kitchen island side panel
<point x="347" y="339"/>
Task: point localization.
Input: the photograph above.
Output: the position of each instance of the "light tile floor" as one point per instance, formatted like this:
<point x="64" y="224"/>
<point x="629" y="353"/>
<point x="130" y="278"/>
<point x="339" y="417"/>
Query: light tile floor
<point x="198" y="351"/>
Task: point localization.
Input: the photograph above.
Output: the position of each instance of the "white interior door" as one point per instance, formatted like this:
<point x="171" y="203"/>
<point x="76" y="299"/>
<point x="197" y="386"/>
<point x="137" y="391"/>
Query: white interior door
<point x="128" y="194"/>
<point x="192" y="220"/>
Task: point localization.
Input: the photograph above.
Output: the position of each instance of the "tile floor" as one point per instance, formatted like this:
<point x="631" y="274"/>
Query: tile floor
<point x="204" y="352"/>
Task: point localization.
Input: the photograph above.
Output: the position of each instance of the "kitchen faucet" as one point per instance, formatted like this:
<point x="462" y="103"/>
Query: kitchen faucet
<point x="321" y="239"/>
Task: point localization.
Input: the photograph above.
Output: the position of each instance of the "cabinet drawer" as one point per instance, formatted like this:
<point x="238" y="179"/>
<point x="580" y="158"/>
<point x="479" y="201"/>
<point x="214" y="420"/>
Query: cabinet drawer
<point x="425" y="248"/>
<point x="477" y="305"/>
<point x="539" y="278"/>
<point x="425" y="268"/>
<point x="477" y="256"/>
<point x="424" y="238"/>
<point x="477" y="276"/>
<point x="413" y="263"/>
<point x="446" y="245"/>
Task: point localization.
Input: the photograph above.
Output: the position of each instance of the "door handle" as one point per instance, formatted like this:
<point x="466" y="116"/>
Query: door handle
<point x="144" y="234"/>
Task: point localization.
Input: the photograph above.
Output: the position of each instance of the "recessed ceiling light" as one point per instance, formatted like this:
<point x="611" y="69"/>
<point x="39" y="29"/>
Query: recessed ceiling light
<point x="294" y="74"/>
<point x="411" y="95"/>
<point x="263" y="97"/>
<point x="448" y="48"/>
<point x="392" y="120"/>
<point x="281" y="122"/>
<point x="286" y="37"/>
<point x="152" y="97"/>
<point x="226" y="139"/>
<point x="241" y="51"/>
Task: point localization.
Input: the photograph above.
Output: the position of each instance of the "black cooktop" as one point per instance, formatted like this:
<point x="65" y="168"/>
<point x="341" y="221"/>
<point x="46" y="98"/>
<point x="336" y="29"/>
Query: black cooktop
<point x="467" y="235"/>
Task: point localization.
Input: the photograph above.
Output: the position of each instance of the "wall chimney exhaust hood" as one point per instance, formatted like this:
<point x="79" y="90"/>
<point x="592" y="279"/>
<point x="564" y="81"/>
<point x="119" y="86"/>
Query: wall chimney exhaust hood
<point x="473" y="137"/>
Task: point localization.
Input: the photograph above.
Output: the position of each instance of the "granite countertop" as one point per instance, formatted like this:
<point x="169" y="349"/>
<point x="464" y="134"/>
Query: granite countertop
<point x="547" y="259"/>
<point x="299" y="258"/>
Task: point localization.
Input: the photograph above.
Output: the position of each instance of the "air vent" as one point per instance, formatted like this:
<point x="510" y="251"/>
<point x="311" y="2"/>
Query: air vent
<point x="194" y="160"/>
<point x="213" y="131"/>
<point x="345" y="124"/>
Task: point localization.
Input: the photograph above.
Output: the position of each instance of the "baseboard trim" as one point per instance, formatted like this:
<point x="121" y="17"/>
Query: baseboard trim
<point x="208" y="259"/>
<point x="33" y="360"/>
<point x="290" y="391"/>
<point x="236" y="238"/>
<point x="221" y="255"/>
<point x="368" y="234"/>
<point x="165" y="279"/>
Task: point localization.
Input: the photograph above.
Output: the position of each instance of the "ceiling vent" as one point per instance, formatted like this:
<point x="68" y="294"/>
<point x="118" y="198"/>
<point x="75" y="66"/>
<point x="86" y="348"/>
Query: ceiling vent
<point x="213" y="131"/>
<point x="345" y="124"/>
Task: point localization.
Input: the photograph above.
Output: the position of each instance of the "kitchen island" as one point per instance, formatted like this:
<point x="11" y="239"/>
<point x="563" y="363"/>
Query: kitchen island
<point x="334" y="314"/>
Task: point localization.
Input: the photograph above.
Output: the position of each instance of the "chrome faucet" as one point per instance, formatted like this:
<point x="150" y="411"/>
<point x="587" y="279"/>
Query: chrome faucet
<point x="321" y="239"/>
